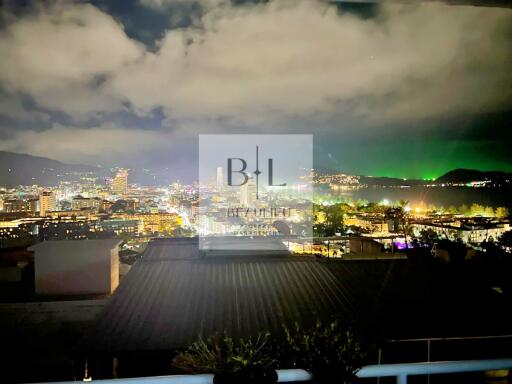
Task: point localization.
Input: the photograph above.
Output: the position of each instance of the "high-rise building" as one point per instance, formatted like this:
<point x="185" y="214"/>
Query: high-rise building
<point x="120" y="182"/>
<point x="220" y="179"/>
<point x="33" y="204"/>
<point x="47" y="203"/>
<point x="19" y="205"/>
<point x="248" y="193"/>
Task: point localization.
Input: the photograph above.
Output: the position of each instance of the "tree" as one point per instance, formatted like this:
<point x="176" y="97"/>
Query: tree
<point x="126" y="237"/>
<point x="400" y="220"/>
<point x="374" y="208"/>
<point x="456" y="249"/>
<point x="428" y="236"/>
<point x="182" y="232"/>
<point x="361" y="204"/>
<point x="502" y="212"/>
<point x="506" y="239"/>
<point x="231" y="360"/>
<point x="329" y="219"/>
<point x="476" y="210"/>
<point x="331" y="352"/>
<point x="334" y="219"/>
<point x="432" y="209"/>
<point x="489" y="212"/>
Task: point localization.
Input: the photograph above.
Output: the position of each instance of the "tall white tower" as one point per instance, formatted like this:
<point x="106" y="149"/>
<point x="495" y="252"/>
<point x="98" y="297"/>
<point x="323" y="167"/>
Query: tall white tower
<point x="248" y="193"/>
<point x="220" y="179"/>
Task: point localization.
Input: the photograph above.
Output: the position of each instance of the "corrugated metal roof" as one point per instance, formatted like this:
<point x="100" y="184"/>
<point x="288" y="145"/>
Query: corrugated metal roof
<point x="173" y="295"/>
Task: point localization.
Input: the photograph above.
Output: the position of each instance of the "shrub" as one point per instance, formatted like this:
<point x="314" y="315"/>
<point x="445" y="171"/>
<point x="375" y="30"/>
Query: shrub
<point x="246" y="361"/>
<point x="332" y="353"/>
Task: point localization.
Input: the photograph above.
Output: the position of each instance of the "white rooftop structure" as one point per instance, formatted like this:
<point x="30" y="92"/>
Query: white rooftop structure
<point x="76" y="267"/>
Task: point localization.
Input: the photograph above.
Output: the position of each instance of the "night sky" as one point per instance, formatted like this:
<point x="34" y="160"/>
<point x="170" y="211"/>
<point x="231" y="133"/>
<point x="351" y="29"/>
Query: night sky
<point x="387" y="89"/>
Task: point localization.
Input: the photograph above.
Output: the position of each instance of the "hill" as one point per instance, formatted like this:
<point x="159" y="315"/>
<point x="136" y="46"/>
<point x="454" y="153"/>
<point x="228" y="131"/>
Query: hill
<point x="463" y="176"/>
<point x="22" y="169"/>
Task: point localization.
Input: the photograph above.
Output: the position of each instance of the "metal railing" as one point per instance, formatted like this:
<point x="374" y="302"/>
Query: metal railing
<point x="403" y="371"/>
<point x="400" y="371"/>
<point x="284" y="376"/>
<point x="437" y="341"/>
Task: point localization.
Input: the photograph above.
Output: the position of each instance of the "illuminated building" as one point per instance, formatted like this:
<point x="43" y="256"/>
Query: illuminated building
<point x="46" y="203"/>
<point x="33" y="205"/>
<point x="70" y="215"/>
<point x="120" y="183"/>
<point x="159" y="222"/>
<point x="18" y="206"/>
<point x="468" y="234"/>
<point x="17" y="229"/>
<point x="248" y="193"/>
<point x="220" y="179"/>
<point x="373" y="224"/>
<point x="106" y="205"/>
<point x="80" y="202"/>
<point x="117" y="226"/>
<point x="64" y="229"/>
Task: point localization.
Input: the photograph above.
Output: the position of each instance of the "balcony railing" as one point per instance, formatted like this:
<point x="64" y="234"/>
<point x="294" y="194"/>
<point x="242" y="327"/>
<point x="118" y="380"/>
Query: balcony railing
<point x="400" y="371"/>
<point x="284" y="376"/>
<point x="403" y="371"/>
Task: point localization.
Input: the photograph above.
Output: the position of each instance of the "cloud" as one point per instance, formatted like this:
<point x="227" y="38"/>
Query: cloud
<point x="302" y="58"/>
<point x="59" y="54"/>
<point x="12" y="107"/>
<point x="282" y="65"/>
<point x="284" y="58"/>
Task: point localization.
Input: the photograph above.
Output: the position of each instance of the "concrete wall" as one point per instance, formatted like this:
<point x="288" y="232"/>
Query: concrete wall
<point x="76" y="269"/>
<point x="365" y="246"/>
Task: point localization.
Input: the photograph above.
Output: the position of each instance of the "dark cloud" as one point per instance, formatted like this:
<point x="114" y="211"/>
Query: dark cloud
<point x="137" y="81"/>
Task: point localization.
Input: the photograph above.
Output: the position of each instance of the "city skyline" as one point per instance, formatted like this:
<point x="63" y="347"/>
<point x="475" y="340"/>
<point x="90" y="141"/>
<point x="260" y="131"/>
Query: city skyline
<point x="190" y="173"/>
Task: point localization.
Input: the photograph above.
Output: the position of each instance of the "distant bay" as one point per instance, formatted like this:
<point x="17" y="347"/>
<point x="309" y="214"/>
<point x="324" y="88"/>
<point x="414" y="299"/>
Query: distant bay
<point x="438" y="196"/>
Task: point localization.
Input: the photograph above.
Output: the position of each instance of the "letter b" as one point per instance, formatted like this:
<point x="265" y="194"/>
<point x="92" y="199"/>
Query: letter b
<point x="241" y="171"/>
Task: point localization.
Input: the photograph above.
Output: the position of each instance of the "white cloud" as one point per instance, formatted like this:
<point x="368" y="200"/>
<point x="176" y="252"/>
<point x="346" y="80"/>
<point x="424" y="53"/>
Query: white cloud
<point x="300" y="58"/>
<point x="267" y="62"/>
<point x="57" y="53"/>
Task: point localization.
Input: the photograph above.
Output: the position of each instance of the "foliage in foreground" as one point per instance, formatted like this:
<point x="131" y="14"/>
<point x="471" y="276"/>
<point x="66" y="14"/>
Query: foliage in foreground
<point x="331" y="352"/>
<point x="249" y="360"/>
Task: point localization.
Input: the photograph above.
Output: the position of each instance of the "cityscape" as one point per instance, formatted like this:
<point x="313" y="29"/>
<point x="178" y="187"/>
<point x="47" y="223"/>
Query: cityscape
<point x="256" y="191"/>
<point x="90" y="208"/>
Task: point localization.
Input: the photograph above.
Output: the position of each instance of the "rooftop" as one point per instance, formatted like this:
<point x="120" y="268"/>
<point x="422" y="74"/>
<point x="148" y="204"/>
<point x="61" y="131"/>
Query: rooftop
<point x="174" y="294"/>
<point x="94" y="246"/>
